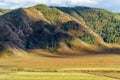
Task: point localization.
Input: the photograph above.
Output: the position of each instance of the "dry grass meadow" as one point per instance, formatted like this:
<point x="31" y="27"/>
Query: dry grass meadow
<point x="46" y="66"/>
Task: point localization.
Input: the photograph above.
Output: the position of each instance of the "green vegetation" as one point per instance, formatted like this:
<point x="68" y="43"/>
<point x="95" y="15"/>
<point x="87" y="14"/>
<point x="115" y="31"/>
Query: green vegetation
<point x="3" y="11"/>
<point x="43" y="37"/>
<point x="111" y="34"/>
<point x="71" y="25"/>
<point x="40" y="64"/>
<point x="52" y="14"/>
<point x="88" y="38"/>
<point x="50" y="26"/>
<point x="100" y="21"/>
<point x="42" y="40"/>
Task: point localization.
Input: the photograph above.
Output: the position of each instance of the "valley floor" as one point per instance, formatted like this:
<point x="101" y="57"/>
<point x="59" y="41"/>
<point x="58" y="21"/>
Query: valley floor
<point x="53" y="67"/>
<point x="52" y="76"/>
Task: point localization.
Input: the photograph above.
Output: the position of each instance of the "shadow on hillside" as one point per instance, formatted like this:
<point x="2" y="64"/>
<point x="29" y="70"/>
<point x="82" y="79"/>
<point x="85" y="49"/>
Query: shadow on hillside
<point x="111" y="51"/>
<point x="87" y="53"/>
<point x="52" y="56"/>
<point x="106" y="51"/>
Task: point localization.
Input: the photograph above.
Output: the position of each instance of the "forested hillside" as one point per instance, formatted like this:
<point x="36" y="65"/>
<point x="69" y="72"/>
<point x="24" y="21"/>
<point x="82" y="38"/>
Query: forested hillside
<point x="103" y="22"/>
<point x="60" y="29"/>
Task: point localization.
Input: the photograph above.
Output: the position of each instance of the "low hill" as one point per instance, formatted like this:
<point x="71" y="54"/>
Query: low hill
<point x="59" y="30"/>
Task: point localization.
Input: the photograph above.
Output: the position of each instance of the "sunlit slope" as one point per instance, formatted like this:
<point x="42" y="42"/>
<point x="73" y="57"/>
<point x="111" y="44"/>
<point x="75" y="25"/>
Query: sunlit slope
<point x="103" y="22"/>
<point x="55" y="30"/>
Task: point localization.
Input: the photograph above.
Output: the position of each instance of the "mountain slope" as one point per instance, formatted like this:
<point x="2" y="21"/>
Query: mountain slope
<point x="105" y="23"/>
<point x="29" y="28"/>
<point x="51" y="29"/>
<point x="3" y="11"/>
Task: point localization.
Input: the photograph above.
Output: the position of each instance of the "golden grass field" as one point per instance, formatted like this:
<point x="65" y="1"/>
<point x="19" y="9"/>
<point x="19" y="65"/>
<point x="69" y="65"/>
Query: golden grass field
<point x="47" y="66"/>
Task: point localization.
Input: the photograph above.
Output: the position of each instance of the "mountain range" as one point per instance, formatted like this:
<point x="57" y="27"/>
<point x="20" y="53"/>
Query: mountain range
<point x="63" y="30"/>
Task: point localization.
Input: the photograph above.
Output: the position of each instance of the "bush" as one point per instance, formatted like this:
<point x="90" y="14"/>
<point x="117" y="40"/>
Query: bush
<point x="87" y="38"/>
<point x="52" y="14"/>
<point x="100" y="21"/>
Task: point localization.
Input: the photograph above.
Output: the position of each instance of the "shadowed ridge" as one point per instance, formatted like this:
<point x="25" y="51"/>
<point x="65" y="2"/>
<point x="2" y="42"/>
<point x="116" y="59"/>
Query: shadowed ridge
<point x="50" y="29"/>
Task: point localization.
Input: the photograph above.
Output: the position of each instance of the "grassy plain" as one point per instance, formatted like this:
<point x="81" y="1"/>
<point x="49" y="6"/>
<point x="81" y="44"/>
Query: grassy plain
<point x="44" y="66"/>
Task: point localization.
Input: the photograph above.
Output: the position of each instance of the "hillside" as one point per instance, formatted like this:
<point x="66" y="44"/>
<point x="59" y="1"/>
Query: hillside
<point x="103" y="22"/>
<point x="3" y="11"/>
<point x="60" y="30"/>
<point x="30" y="28"/>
